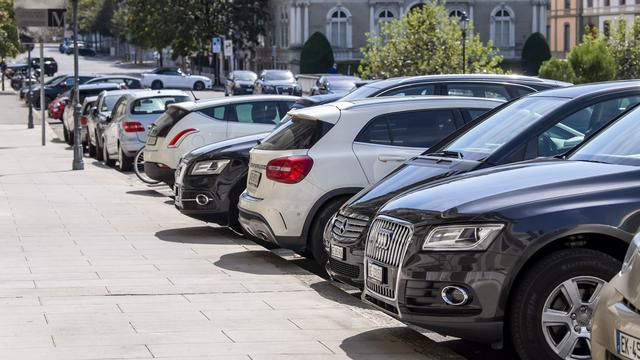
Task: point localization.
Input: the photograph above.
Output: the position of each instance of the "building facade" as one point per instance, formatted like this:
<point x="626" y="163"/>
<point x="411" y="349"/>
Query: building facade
<point x="602" y="14"/>
<point x="346" y="23"/>
<point x="565" y="26"/>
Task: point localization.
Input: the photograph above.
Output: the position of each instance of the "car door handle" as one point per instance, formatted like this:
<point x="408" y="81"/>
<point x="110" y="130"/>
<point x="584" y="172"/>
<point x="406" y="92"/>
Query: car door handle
<point x="391" y="157"/>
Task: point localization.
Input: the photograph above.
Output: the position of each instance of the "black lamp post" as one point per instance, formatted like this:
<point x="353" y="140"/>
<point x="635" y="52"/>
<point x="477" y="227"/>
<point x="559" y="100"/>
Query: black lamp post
<point x="78" y="152"/>
<point x="464" y="21"/>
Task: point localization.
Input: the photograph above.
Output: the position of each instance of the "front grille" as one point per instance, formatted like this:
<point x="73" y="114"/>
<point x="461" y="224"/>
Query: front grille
<point x="282" y="89"/>
<point x="344" y="269"/>
<point x="347" y="229"/>
<point x="388" y="240"/>
<point x="381" y="289"/>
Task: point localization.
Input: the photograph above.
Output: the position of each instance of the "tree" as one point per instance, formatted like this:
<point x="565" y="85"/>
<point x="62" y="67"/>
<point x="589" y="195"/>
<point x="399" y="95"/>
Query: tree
<point x="624" y="45"/>
<point x="557" y="69"/>
<point x="9" y="40"/>
<point x="425" y="41"/>
<point x="146" y="22"/>
<point x="317" y="55"/>
<point x="591" y="61"/>
<point x="534" y="53"/>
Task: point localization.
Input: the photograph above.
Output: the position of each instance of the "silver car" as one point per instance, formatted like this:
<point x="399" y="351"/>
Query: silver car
<point x="616" y="322"/>
<point x="127" y="128"/>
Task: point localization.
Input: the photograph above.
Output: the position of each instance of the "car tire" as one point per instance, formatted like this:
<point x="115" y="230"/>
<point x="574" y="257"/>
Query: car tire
<point x="99" y="151"/>
<point x="65" y="133"/>
<point x="125" y="163"/>
<point x="234" y="198"/>
<point x="105" y="156"/>
<point x="156" y="85"/>
<point x="198" y="86"/>
<point x="543" y="288"/>
<point x="92" y="149"/>
<point x="315" y="242"/>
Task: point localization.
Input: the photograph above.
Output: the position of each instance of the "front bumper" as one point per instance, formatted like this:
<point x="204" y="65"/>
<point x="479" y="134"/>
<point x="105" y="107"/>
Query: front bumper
<point x="154" y="171"/>
<point x="192" y="190"/>
<point x="242" y="90"/>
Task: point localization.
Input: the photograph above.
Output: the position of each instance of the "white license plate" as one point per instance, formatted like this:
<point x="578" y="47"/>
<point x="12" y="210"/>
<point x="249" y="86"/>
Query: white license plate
<point x="254" y="178"/>
<point x="627" y="346"/>
<point x="337" y="252"/>
<point x="375" y="272"/>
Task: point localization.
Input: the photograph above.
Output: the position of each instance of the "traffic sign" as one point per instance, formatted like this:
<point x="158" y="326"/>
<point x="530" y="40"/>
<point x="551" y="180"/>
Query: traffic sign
<point x="228" y="48"/>
<point x="216" y="45"/>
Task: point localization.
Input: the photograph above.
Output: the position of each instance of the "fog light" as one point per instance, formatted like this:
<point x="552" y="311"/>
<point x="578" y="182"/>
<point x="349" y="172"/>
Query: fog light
<point x="455" y="295"/>
<point x="202" y="200"/>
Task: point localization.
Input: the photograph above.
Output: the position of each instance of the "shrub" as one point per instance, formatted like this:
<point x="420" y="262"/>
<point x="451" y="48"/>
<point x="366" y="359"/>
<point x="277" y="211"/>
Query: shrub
<point x="317" y="55"/>
<point x="557" y="69"/>
<point x="591" y="61"/>
<point x="534" y="53"/>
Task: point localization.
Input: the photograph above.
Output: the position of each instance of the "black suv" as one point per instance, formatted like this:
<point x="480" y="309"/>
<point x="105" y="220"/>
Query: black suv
<point x="541" y="125"/>
<point x="53" y="88"/>
<point x="522" y="249"/>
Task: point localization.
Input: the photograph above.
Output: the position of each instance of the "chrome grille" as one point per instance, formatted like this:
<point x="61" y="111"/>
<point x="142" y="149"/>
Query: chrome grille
<point x="387" y="241"/>
<point x="381" y="289"/>
<point x="347" y="229"/>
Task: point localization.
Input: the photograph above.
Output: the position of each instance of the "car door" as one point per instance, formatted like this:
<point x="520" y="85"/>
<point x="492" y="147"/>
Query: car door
<point x="389" y="140"/>
<point x="253" y="117"/>
<point x="112" y="131"/>
<point x="212" y="125"/>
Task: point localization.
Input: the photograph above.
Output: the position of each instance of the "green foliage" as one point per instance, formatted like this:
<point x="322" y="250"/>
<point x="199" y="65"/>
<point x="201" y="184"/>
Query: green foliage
<point x="624" y="44"/>
<point x="534" y="53"/>
<point x="591" y="61"/>
<point x="9" y="40"/>
<point x="557" y="69"/>
<point x="317" y="55"/>
<point x="425" y="41"/>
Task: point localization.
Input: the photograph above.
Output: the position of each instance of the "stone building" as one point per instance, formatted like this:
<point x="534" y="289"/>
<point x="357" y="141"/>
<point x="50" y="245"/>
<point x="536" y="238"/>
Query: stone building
<point x="565" y="26"/>
<point x="345" y="23"/>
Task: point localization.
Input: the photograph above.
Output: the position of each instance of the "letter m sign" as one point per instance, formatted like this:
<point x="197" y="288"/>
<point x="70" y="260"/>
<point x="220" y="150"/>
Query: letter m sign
<point x="56" y="17"/>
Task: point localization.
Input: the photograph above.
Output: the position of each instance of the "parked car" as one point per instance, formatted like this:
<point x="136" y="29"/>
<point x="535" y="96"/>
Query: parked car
<point x="616" y="321"/>
<point x="540" y="125"/>
<point x="240" y="82"/>
<point x="315" y="100"/>
<point x="174" y="78"/>
<point x="210" y="179"/>
<point x="84" y="91"/>
<point x="55" y="110"/>
<point x="519" y="250"/>
<point x="280" y="82"/>
<point x="22" y="84"/>
<point x="99" y="118"/>
<point x="83" y="50"/>
<point x="326" y="154"/>
<point x="334" y="84"/>
<point x="54" y="87"/>
<point x="132" y="116"/>
<point x="191" y="125"/>
<point x="50" y="65"/>
<point x="126" y="82"/>
<point x="22" y="67"/>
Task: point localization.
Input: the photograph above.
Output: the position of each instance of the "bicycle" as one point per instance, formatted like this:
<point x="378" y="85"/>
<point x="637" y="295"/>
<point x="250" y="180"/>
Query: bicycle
<point x="138" y="168"/>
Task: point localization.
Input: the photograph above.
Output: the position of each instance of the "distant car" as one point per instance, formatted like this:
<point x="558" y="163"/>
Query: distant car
<point x="616" y="321"/>
<point x="334" y="84"/>
<point x="174" y="78"/>
<point x="132" y="116"/>
<point x="308" y="101"/>
<point x="191" y="125"/>
<point x="86" y="90"/>
<point x="240" y="82"/>
<point x="83" y="50"/>
<point x="126" y="82"/>
<point x="280" y="82"/>
<point x="54" y="87"/>
<point x="50" y="65"/>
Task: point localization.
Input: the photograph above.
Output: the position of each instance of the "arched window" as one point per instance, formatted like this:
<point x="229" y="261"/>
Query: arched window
<point x="503" y="27"/>
<point x="415" y="6"/>
<point x="383" y="17"/>
<point x="456" y="13"/>
<point x="339" y="27"/>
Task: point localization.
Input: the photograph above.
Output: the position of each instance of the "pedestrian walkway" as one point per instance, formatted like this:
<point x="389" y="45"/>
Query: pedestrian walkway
<point x="96" y="265"/>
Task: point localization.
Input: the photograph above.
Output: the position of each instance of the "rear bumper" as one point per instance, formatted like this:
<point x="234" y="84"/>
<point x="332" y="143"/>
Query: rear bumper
<point x="255" y="225"/>
<point x="154" y="171"/>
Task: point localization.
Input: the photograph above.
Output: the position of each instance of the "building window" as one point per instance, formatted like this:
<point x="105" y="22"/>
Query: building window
<point x="383" y="17"/>
<point x="339" y="27"/>
<point x="607" y="2"/>
<point x="623" y="2"/>
<point x="567" y="4"/>
<point x="567" y="36"/>
<point x="456" y="13"/>
<point x="416" y="6"/>
<point x="589" y="3"/>
<point x="284" y="27"/>
<point x="502" y="27"/>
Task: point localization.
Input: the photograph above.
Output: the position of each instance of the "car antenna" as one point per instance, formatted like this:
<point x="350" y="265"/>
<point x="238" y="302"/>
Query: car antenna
<point x="194" y="95"/>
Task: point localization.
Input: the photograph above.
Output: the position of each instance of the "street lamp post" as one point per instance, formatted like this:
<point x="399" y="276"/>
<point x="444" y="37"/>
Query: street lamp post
<point x="464" y="21"/>
<point x="31" y="96"/>
<point x="78" y="153"/>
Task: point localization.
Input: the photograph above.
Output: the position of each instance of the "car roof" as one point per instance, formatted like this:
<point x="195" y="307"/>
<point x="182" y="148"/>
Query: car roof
<point x="116" y="77"/>
<point x="590" y="90"/>
<point x="382" y="84"/>
<point x="204" y="103"/>
<point x="89" y="99"/>
<point x="389" y="101"/>
<point x="275" y="70"/>
<point x="120" y="92"/>
<point x="106" y="86"/>
<point x="141" y="94"/>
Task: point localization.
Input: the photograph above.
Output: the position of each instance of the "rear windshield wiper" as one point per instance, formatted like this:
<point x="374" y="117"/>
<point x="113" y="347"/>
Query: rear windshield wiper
<point x="447" y="153"/>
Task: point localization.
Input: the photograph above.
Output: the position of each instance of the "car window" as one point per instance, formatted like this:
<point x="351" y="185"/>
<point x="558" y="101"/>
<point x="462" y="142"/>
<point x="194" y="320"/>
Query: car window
<point x="419" y="129"/>
<point x="295" y="134"/>
<point x="263" y="112"/>
<point x="108" y="102"/>
<point x="155" y="105"/>
<point x="87" y="107"/>
<point x="522" y="91"/>
<point x="421" y="89"/>
<point x="478" y="90"/>
<point x="119" y="109"/>
<point x="572" y="130"/>
<point x="214" y="112"/>
<point x="472" y="114"/>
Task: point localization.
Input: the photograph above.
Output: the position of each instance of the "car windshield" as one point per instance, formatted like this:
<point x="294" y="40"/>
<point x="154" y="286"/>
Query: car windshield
<point x="617" y="144"/>
<point x="278" y="75"/>
<point x="485" y="138"/>
<point x="55" y="79"/>
<point x="155" y="105"/>
<point x="361" y="92"/>
<point x="245" y="76"/>
<point x="109" y="101"/>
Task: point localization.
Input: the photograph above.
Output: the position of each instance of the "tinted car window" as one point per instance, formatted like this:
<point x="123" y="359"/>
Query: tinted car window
<point x="108" y="102"/>
<point x="295" y="134"/>
<point x="167" y="120"/>
<point x="216" y="112"/>
<point x="478" y="90"/>
<point x="263" y="112"/>
<point x="421" y="89"/>
<point x="155" y="105"/>
<point x="472" y="114"/>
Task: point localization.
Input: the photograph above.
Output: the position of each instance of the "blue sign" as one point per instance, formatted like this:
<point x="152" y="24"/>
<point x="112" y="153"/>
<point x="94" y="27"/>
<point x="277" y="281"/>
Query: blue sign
<point x="216" y="45"/>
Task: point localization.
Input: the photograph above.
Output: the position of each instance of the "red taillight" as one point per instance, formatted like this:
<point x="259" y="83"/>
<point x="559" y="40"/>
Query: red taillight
<point x="132" y="126"/>
<point x="289" y="170"/>
<point x="175" y="142"/>
<point x="83" y="120"/>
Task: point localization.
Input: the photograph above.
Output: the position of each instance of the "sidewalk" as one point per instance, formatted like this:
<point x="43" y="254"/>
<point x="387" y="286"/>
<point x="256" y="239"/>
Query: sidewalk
<point x="95" y="265"/>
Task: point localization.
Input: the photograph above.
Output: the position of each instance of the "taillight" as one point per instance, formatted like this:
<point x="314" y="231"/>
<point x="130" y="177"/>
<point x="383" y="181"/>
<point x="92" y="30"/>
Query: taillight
<point x="290" y="169"/>
<point x="83" y="120"/>
<point x="132" y="126"/>
<point x="175" y="142"/>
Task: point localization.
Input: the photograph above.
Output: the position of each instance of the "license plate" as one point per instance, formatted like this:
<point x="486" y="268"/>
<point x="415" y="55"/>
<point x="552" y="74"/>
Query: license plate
<point x="337" y="252"/>
<point x="152" y="140"/>
<point x="627" y="346"/>
<point x="254" y="178"/>
<point x="375" y="272"/>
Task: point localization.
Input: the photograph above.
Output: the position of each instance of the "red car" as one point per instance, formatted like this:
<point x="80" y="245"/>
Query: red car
<point x="56" y="107"/>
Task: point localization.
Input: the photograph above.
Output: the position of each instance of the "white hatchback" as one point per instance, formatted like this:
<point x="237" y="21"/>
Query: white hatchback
<point x="305" y="170"/>
<point x="190" y="125"/>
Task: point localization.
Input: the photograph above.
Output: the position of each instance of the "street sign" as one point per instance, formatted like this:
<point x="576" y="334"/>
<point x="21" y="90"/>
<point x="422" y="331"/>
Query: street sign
<point x="228" y="48"/>
<point x="274" y="51"/>
<point x="216" y="45"/>
<point x="40" y="19"/>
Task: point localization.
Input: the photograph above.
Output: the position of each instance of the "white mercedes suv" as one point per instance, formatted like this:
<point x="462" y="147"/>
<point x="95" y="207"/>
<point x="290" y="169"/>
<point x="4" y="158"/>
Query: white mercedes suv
<point x="302" y="173"/>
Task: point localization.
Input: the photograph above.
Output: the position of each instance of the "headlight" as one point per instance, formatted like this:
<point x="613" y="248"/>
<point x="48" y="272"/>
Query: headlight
<point x="212" y="167"/>
<point x="268" y="87"/>
<point x="462" y="237"/>
<point x="634" y="250"/>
